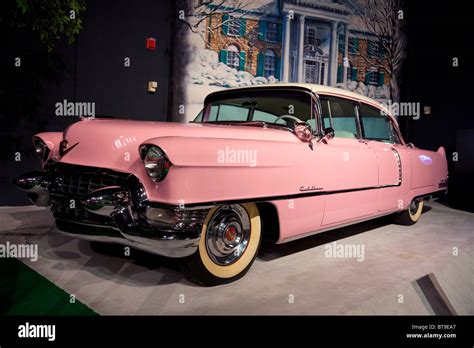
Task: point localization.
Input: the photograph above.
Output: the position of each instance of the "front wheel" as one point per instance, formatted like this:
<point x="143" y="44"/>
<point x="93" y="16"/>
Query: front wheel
<point x="411" y="215"/>
<point x="230" y="240"/>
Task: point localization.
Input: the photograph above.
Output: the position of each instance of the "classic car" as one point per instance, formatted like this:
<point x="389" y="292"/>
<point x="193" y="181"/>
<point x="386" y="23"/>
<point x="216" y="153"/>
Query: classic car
<point x="273" y="162"/>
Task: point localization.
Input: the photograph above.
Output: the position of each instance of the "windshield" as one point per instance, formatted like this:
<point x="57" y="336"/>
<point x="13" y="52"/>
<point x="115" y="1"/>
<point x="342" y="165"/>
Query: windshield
<point x="282" y="108"/>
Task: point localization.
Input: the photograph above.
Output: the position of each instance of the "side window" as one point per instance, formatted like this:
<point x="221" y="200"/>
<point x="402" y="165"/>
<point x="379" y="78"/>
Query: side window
<point x="344" y="118"/>
<point x="376" y="126"/>
<point x="213" y="113"/>
<point x="199" y="117"/>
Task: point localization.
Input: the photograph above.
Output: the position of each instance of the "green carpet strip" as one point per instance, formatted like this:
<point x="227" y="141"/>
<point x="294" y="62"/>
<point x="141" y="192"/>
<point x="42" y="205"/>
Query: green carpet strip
<point x="25" y="292"/>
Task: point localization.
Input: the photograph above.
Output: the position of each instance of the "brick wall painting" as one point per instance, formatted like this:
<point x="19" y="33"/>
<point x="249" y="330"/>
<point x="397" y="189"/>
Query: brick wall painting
<point x="242" y="43"/>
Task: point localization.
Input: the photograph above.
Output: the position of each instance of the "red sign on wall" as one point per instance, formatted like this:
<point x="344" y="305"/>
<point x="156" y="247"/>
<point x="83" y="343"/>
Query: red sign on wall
<point x="151" y="43"/>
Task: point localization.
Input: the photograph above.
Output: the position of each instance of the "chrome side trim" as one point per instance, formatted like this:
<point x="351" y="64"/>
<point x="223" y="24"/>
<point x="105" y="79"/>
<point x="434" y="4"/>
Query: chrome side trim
<point x="399" y="162"/>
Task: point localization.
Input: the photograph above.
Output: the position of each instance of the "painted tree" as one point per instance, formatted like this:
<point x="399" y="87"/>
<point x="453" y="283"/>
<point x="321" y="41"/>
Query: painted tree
<point x="197" y="18"/>
<point x="382" y="22"/>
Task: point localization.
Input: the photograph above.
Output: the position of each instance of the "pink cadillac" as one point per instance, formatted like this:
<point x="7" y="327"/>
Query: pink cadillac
<point x="275" y="162"/>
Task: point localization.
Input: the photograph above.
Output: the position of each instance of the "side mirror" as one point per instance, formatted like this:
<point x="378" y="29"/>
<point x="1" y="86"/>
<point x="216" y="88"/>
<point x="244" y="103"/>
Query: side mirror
<point x="303" y="132"/>
<point x="328" y="134"/>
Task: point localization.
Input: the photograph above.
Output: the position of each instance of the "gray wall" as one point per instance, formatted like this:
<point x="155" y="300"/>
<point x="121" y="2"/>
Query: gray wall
<point x="92" y="70"/>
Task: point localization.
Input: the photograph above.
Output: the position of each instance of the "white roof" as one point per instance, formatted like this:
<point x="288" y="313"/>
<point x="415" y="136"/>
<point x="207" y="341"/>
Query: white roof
<point x="318" y="89"/>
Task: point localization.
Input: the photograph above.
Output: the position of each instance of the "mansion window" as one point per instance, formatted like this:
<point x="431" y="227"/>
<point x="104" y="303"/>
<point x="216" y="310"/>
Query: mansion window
<point x="315" y="35"/>
<point x="271" y="33"/>
<point x="310" y="38"/>
<point x="269" y="64"/>
<point x="373" y="49"/>
<point x="233" y="25"/>
<point x="353" y="45"/>
<point x="372" y="77"/>
<point x="233" y="57"/>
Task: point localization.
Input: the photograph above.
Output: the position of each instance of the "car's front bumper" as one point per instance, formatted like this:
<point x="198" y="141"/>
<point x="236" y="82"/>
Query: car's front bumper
<point x="100" y="205"/>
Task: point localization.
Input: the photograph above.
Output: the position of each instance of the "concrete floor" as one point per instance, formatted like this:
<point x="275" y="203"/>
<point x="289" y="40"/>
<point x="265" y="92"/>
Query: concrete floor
<point x="294" y="278"/>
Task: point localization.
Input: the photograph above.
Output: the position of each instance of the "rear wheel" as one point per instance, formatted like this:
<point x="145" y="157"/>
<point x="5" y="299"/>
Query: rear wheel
<point x="230" y="239"/>
<point x="411" y="215"/>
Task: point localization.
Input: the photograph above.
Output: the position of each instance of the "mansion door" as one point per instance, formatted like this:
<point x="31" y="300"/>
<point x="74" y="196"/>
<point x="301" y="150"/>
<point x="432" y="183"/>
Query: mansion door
<point x="314" y="72"/>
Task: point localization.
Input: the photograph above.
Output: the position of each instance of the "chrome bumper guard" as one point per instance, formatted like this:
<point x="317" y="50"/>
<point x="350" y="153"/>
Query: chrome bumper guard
<point x="123" y="215"/>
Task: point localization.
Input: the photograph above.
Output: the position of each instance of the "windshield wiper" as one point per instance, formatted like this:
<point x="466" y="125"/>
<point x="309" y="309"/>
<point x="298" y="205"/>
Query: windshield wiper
<point x="263" y="124"/>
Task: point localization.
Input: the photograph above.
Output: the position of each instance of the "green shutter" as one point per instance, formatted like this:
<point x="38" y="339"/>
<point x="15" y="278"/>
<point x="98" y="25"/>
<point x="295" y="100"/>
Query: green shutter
<point x="340" y="71"/>
<point x="223" y="56"/>
<point x="279" y="36"/>
<point x="354" y="74"/>
<point x="356" y="45"/>
<point x="262" y="29"/>
<point x="242" y="61"/>
<point x="342" y="45"/>
<point x="225" y="24"/>
<point x="243" y="27"/>
<point x="277" y="67"/>
<point x="260" y="62"/>
<point x="367" y="78"/>
<point x="381" y="78"/>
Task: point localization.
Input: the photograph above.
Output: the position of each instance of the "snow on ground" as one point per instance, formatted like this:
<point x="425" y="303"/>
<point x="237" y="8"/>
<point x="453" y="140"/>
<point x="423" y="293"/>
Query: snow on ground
<point x="206" y="69"/>
<point x="207" y="74"/>
<point x="379" y="93"/>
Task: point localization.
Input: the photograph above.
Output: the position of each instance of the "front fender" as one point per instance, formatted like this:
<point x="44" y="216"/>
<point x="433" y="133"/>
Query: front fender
<point x="213" y="169"/>
<point x="216" y="152"/>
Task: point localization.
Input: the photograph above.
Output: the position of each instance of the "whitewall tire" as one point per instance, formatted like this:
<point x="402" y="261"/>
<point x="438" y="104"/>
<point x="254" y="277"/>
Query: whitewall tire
<point x="230" y="240"/>
<point x="411" y="215"/>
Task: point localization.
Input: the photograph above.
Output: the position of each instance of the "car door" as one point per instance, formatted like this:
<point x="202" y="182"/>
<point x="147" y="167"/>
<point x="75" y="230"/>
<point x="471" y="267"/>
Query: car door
<point x="349" y="163"/>
<point x="377" y="130"/>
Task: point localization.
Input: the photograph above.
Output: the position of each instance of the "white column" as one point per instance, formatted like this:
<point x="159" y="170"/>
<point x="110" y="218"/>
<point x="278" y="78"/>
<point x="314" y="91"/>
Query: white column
<point x="333" y="55"/>
<point x="286" y="50"/>
<point x="346" y="51"/>
<point x="301" y="49"/>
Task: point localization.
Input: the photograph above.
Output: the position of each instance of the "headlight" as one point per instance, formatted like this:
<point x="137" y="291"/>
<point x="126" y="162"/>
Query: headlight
<point x="156" y="163"/>
<point x="41" y="148"/>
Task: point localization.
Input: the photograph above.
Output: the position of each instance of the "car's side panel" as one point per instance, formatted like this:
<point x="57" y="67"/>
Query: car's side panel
<point x="347" y="206"/>
<point x="395" y="196"/>
<point x="298" y="216"/>
<point x="348" y="165"/>
<point x="389" y="163"/>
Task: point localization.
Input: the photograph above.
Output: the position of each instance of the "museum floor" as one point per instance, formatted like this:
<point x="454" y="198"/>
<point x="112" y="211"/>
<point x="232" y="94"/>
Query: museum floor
<point x="294" y="278"/>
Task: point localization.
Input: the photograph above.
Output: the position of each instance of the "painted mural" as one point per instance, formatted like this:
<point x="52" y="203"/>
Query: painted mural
<point x="356" y="45"/>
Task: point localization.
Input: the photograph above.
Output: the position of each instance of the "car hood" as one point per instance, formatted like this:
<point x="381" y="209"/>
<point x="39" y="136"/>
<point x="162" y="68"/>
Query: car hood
<point x="114" y="143"/>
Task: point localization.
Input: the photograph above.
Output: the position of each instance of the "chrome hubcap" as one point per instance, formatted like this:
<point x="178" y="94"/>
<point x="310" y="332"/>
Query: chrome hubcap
<point x="228" y="234"/>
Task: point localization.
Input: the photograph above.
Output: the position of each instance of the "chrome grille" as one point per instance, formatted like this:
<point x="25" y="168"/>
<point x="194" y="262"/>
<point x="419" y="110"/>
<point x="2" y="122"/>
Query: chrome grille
<point x="72" y="182"/>
<point x="81" y="184"/>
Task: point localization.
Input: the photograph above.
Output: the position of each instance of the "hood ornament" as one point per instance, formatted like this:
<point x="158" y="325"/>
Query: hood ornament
<point x="64" y="147"/>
